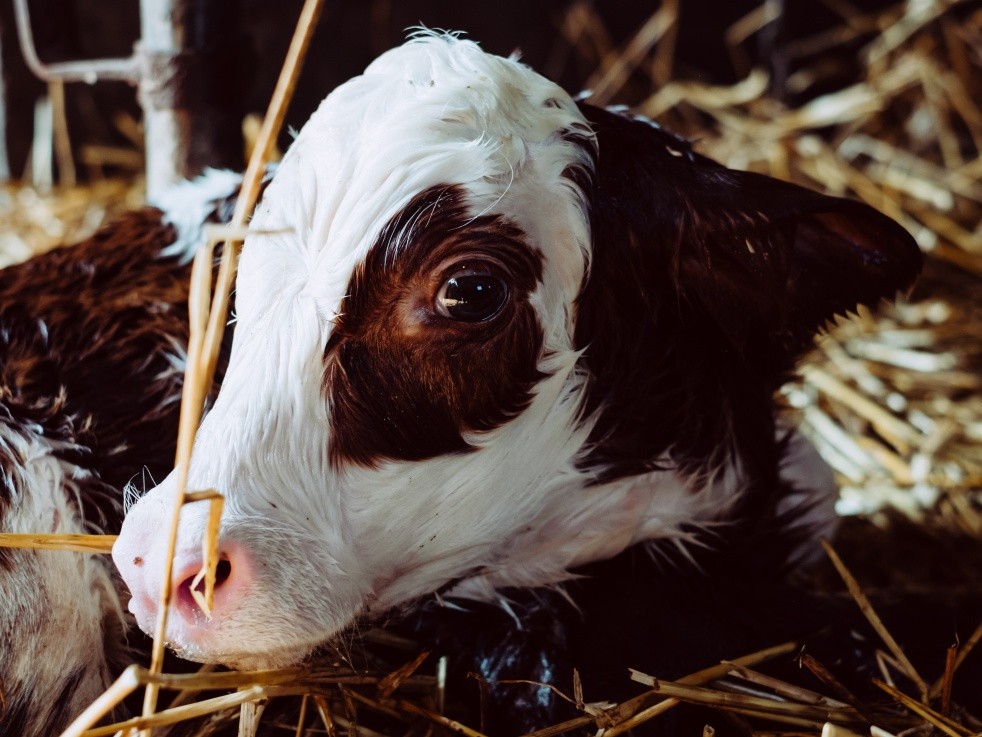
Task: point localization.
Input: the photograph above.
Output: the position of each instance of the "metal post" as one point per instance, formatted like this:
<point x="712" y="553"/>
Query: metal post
<point x="4" y="156"/>
<point x="186" y="66"/>
<point x="165" y="137"/>
<point x="191" y="120"/>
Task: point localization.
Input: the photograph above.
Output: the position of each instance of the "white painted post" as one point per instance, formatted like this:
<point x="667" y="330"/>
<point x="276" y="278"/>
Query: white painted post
<point x="186" y="65"/>
<point x="191" y="120"/>
<point x="166" y="137"/>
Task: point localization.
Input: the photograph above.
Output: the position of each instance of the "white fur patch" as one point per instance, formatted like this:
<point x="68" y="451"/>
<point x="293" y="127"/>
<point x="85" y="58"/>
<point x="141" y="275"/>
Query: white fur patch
<point x="812" y="504"/>
<point x="188" y="205"/>
<point x="53" y="604"/>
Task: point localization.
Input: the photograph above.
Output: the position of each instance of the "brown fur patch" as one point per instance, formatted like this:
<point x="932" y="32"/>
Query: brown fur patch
<point x="88" y="336"/>
<point x="404" y="382"/>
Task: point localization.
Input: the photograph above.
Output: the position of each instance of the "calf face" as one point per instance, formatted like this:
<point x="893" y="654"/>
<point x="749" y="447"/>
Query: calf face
<point x="487" y="334"/>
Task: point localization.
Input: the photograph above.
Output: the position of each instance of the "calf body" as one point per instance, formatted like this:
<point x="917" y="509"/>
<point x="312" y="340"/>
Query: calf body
<point x="484" y="335"/>
<point x="92" y="346"/>
<point x="89" y="374"/>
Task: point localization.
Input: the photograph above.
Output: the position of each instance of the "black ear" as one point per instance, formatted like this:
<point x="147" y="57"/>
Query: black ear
<point x="706" y="285"/>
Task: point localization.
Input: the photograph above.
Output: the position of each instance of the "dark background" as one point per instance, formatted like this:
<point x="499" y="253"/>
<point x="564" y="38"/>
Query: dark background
<point x="350" y="34"/>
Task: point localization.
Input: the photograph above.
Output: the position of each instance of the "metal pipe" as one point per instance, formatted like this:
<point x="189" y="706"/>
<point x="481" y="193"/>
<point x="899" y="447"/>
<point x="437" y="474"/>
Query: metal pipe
<point x="165" y="133"/>
<point x="88" y="71"/>
<point x="182" y="65"/>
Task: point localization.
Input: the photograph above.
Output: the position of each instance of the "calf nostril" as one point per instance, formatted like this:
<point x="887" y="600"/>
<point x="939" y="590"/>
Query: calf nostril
<point x="222" y="572"/>
<point x="183" y="592"/>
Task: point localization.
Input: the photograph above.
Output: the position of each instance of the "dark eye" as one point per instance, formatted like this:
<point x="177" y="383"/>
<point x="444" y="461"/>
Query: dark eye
<point x="472" y="295"/>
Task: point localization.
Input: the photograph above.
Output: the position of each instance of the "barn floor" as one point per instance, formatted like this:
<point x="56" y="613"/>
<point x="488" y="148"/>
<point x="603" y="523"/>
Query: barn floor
<point x="893" y="400"/>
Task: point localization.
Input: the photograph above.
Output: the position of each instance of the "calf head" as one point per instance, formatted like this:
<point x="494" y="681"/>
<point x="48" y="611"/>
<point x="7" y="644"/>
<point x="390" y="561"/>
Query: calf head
<point x="484" y="335"/>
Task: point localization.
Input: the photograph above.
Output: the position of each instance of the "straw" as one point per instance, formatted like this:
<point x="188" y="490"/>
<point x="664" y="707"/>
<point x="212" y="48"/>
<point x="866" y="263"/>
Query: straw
<point x="873" y="618"/>
<point x="102" y="544"/>
<point x="207" y="329"/>
<point x="892" y="400"/>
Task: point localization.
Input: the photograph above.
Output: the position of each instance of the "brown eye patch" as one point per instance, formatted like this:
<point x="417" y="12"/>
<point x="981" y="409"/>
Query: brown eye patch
<point x="403" y="378"/>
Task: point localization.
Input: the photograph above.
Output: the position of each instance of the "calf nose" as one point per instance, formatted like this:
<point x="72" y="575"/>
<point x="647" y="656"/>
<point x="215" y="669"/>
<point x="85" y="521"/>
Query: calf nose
<point x="140" y="555"/>
<point x="186" y="582"/>
<point x="131" y="551"/>
<point x="143" y="576"/>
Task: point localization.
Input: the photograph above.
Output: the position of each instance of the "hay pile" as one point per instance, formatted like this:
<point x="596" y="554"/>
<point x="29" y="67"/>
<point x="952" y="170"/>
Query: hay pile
<point x="891" y="400"/>
<point x="33" y="222"/>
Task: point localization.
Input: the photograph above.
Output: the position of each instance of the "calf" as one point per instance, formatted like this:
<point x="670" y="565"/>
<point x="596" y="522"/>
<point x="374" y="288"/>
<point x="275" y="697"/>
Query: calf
<point x="92" y="344"/>
<point x="486" y="335"/>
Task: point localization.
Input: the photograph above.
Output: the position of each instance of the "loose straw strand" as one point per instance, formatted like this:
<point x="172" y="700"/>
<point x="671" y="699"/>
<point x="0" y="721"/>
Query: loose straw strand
<point x="203" y="351"/>
<point x="867" y="609"/>
<point x="101" y="544"/>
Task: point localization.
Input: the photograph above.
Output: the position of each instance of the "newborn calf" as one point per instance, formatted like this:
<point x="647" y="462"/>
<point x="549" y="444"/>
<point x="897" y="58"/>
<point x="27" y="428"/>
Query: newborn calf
<point x="486" y="334"/>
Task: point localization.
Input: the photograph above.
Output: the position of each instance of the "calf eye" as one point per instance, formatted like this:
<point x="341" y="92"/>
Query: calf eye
<point x="472" y="295"/>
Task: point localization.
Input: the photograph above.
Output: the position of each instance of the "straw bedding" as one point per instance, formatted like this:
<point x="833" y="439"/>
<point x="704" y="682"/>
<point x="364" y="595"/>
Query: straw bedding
<point x="892" y="400"/>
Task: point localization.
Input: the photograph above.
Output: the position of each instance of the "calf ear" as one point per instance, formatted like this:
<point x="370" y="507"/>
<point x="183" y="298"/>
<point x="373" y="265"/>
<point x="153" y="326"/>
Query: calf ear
<point x="713" y="279"/>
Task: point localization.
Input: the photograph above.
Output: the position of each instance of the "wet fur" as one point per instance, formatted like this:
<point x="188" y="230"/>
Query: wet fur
<point x="664" y="299"/>
<point x="623" y="395"/>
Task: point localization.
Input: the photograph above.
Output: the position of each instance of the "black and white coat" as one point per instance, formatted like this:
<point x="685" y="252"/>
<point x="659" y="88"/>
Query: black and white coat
<point x="484" y="336"/>
<point x="629" y="309"/>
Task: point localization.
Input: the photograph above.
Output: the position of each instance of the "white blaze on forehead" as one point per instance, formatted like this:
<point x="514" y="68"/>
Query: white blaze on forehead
<point x="434" y="111"/>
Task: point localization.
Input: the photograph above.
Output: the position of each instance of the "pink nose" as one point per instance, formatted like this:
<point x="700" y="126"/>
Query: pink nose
<point x="141" y="564"/>
<point x="183" y="584"/>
